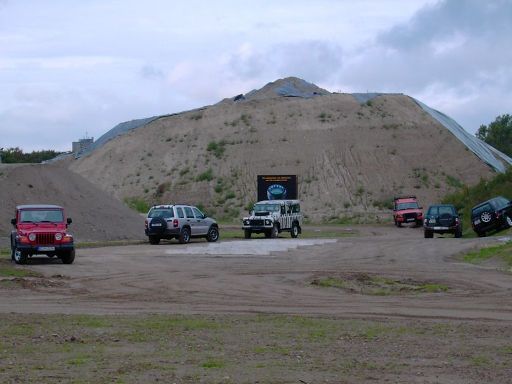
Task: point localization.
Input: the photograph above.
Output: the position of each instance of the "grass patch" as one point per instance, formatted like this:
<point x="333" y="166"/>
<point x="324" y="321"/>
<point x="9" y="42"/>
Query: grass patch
<point x="231" y="348"/>
<point x="502" y="251"/>
<point x="138" y="204"/>
<point x="205" y="176"/>
<point x="8" y="269"/>
<point x="365" y="284"/>
<point x="217" y="148"/>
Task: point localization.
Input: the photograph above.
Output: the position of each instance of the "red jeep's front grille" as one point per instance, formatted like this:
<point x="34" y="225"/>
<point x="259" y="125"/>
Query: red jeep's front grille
<point x="45" y="238"/>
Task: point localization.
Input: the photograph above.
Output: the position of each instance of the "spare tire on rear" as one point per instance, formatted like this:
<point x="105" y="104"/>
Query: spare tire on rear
<point x="157" y="225"/>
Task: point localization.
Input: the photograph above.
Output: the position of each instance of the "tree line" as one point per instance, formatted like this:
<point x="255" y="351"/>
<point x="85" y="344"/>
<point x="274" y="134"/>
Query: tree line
<point x="16" y="155"/>
<point x="498" y="134"/>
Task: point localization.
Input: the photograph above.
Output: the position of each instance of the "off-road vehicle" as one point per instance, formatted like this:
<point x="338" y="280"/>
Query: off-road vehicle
<point x="272" y="217"/>
<point x="407" y="210"/>
<point x="493" y="214"/>
<point x="442" y="218"/>
<point x="41" y="230"/>
<point x="181" y="222"/>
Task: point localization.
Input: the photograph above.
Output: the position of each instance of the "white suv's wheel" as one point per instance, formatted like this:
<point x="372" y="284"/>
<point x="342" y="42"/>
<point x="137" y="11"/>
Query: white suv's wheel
<point x="295" y="230"/>
<point x="274" y="232"/>
<point x="509" y="221"/>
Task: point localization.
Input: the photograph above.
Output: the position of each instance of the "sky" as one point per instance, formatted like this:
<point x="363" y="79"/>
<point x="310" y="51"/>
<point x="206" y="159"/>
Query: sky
<point x="76" y="68"/>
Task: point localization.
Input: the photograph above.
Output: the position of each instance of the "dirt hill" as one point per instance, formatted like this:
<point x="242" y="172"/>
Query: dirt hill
<point x="350" y="156"/>
<point x="96" y="215"/>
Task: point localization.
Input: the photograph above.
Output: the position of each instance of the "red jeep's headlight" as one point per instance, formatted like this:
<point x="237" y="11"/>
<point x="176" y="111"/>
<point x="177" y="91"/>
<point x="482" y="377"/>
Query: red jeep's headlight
<point x="23" y="239"/>
<point x="58" y="236"/>
<point x="67" y="238"/>
<point x="32" y="237"/>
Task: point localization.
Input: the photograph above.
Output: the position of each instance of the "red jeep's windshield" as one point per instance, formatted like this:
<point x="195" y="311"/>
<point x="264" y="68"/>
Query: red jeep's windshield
<point x="41" y="216"/>
<point x="410" y="205"/>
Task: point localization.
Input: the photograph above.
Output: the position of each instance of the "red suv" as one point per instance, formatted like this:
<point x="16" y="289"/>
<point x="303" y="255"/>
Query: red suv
<point x="41" y="229"/>
<point x="407" y="210"/>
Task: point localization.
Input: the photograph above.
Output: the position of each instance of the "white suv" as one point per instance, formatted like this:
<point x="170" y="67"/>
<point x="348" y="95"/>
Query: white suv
<point x="272" y="217"/>
<point x="180" y="222"/>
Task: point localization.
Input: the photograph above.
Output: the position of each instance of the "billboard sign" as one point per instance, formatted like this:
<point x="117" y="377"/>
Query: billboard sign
<point x="277" y="187"/>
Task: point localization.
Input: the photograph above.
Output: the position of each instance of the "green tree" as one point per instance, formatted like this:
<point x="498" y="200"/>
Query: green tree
<point x="498" y="134"/>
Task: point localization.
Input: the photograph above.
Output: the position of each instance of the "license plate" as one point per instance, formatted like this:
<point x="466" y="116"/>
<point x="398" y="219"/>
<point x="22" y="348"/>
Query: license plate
<point x="440" y="228"/>
<point x="46" y="249"/>
<point x="476" y="222"/>
<point x="156" y="225"/>
<point x="408" y="220"/>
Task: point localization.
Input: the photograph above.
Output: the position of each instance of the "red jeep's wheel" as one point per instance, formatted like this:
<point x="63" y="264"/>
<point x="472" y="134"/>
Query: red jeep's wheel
<point x="68" y="257"/>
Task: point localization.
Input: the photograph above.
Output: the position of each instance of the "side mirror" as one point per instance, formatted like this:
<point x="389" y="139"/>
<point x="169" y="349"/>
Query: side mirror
<point x="13" y="221"/>
<point x="69" y="221"/>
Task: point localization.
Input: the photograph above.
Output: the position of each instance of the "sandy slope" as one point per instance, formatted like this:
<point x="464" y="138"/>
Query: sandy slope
<point x="348" y="156"/>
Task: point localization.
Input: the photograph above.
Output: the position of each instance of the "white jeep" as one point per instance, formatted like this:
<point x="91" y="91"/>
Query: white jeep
<point x="272" y="217"/>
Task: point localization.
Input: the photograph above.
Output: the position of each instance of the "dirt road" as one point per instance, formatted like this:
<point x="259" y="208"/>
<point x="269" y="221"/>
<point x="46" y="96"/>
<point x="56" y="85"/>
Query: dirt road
<point x="199" y="278"/>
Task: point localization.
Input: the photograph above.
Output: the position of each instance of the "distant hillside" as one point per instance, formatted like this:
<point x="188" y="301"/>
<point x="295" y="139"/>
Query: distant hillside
<point x="351" y="155"/>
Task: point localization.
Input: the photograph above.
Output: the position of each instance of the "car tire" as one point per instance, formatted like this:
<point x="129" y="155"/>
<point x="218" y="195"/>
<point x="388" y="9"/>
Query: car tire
<point x="12" y="250"/>
<point x="154" y="240"/>
<point x="480" y="234"/>
<point x="274" y="232"/>
<point x="429" y="234"/>
<point x="213" y="234"/>
<point x="458" y="233"/>
<point x="486" y="217"/>
<point x="295" y="230"/>
<point x="247" y="233"/>
<point x="68" y="257"/>
<point x="398" y="224"/>
<point x="20" y="257"/>
<point x="268" y="233"/>
<point x="184" y="236"/>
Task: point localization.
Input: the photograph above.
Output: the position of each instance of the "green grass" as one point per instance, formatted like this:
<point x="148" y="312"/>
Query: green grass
<point x="502" y="251"/>
<point x="378" y="285"/>
<point x="8" y="269"/>
<point x="231" y="348"/>
<point x="138" y="204"/>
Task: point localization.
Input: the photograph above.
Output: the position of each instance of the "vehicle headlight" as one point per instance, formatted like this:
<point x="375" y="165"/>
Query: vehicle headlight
<point x="268" y="222"/>
<point x="58" y="236"/>
<point x="246" y="222"/>
<point x="32" y="237"/>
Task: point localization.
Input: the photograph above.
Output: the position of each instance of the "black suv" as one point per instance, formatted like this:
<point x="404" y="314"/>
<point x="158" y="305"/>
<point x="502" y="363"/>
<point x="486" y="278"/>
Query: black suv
<point x="442" y="218"/>
<point x="493" y="214"/>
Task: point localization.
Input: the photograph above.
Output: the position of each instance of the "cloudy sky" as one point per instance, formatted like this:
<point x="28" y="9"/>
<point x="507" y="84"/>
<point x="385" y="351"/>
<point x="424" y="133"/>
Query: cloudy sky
<point x="71" y="67"/>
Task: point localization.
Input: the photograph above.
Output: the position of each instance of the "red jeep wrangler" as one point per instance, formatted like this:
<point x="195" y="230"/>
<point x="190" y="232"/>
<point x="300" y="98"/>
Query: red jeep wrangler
<point x="407" y="210"/>
<point x="41" y="229"/>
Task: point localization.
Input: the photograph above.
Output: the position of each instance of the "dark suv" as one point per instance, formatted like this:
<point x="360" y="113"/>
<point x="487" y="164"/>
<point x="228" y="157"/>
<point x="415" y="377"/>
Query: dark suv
<point x="493" y="214"/>
<point x="181" y="222"/>
<point x="442" y="218"/>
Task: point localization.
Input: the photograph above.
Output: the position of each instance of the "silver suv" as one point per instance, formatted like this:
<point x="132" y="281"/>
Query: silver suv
<point x="272" y="217"/>
<point x="181" y="222"/>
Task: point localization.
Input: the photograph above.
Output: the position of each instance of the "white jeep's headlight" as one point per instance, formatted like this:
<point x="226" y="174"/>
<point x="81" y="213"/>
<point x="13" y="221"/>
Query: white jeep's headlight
<point x="268" y="222"/>
<point x="32" y="237"/>
<point x="246" y="222"/>
<point x="58" y="236"/>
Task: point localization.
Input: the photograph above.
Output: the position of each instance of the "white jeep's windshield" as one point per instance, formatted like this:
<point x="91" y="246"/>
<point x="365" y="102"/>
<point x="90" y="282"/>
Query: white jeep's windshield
<point x="42" y="215"/>
<point x="267" y="208"/>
